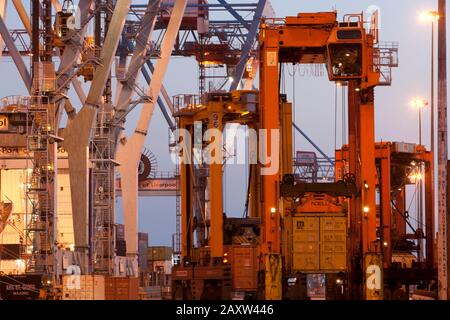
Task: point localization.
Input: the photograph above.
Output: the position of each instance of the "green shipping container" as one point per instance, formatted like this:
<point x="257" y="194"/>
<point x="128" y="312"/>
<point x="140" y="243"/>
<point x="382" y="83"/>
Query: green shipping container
<point x="159" y="253"/>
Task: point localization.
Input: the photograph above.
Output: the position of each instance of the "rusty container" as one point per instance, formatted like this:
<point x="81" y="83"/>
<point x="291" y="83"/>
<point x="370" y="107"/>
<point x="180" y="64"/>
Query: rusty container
<point x="244" y="268"/>
<point x="122" y="288"/>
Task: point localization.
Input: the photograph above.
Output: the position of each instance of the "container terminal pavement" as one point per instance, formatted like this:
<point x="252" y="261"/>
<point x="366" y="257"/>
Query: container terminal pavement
<point x="90" y="80"/>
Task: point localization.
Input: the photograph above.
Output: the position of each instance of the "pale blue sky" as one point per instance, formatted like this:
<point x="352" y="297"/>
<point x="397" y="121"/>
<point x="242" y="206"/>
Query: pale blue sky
<point x="395" y="120"/>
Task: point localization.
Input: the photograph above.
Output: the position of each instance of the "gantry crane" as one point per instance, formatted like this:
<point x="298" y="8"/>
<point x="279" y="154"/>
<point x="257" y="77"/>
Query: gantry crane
<point x="349" y="51"/>
<point x="212" y="244"/>
<point x="351" y="55"/>
<point x="408" y="257"/>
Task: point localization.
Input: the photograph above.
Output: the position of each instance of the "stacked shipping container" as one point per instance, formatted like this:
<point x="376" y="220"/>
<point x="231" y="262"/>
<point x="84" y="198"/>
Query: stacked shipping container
<point x="117" y="288"/>
<point x="83" y="287"/>
<point x="121" y="247"/>
<point x="97" y="287"/>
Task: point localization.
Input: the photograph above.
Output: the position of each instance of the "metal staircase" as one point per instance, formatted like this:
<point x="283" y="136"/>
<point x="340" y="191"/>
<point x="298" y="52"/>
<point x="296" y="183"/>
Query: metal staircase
<point x="40" y="235"/>
<point x="103" y="195"/>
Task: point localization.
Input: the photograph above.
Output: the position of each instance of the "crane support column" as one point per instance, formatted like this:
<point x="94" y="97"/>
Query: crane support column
<point x="129" y="151"/>
<point x="385" y="191"/>
<point x="269" y="119"/>
<point x="215" y="180"/>
<point x="77" y="134"/>
<point x="371" y="248"/>
<point x="368" y="172"/>
<point x="185" y="139"/>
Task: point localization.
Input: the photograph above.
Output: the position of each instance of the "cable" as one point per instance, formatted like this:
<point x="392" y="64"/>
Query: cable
<point x="247" y="200"/>
<point x="344" y="126"/>
<point x="403" y="216"/>
<point x="335" y="115"/>
<point x="294" y="70"/>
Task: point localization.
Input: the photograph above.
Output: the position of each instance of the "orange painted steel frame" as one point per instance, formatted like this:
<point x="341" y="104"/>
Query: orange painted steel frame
<point x="304" y="39"/>
<point x="391" y="221"/>
<point x="211" y="115"/>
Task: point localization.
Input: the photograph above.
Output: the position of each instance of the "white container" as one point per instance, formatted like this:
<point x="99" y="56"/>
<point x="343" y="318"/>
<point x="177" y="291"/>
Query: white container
<point x="83" y="287"/>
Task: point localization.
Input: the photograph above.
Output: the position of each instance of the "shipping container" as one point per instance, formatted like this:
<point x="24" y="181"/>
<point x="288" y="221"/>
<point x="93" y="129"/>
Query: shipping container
<point x="121" y="288"/>
<point x="244" y="268"/>
<point x="158" y="278"/>
<point x="159" y="253"/>
<point x="120" y="232"/>
<point x="143" y="237"/>
<point x="333" y="247"/>
<point x="305" y="243"/>
<point x="121" y="248"/>
<point x="142" y="248"/>
<point x="83" y="287"/>
<point x="318" y="243"/>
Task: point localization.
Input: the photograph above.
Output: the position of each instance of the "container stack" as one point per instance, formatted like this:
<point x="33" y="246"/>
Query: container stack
<point x="83" y="287"/>
<point x="160" y="262"/>
<point x="142" y="248"/>
<point x="121" y="245"/>
<point x="122" y="288"/>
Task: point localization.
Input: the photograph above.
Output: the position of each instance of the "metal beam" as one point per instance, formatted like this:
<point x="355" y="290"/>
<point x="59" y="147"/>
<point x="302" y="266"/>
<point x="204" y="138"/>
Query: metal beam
<point x="77" y="134"/>
<point x="247" y="48"/>
<point x="202" y="5"/>
<point x="443" y="278"/>
<point x="23" y="15"/>
<point x="71" y="54"/>
<point x="125" y="87"/>
<point x="313" y="144"/>
<point x="129" y="151"/>
<point x="17" y="58"/>
<point x="164" y="93"/>
<point x="3" y="16"/>
<point x="68" y="56"/>
<point x="161" y="104"/>
<point x="234" y="13"/>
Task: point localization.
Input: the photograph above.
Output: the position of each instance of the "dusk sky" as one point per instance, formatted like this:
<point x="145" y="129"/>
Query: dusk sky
<point x="395" y="120"/>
